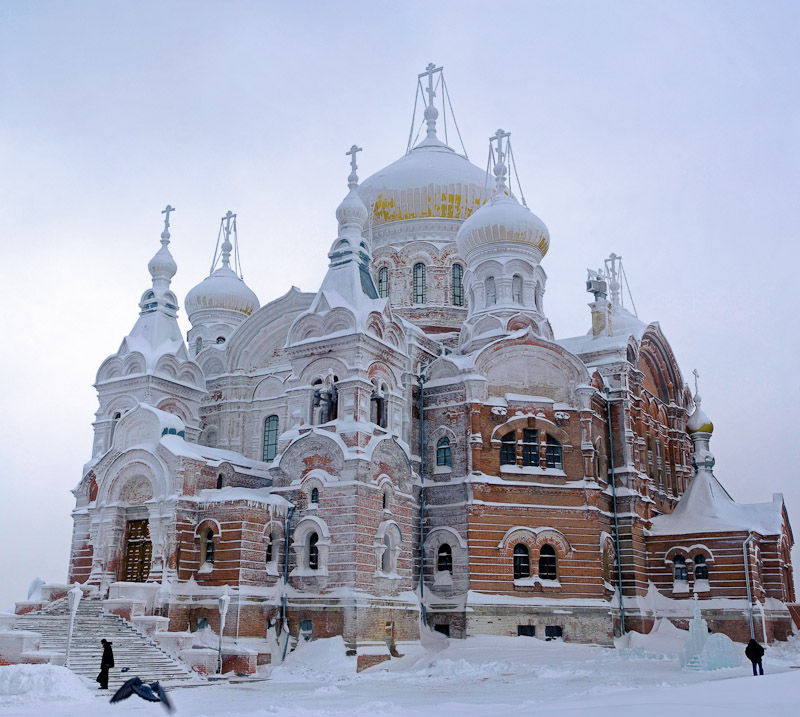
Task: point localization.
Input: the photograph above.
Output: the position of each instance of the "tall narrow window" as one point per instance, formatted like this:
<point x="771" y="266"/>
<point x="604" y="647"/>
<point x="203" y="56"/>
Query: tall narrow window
<point x="386" y="558"/>
<point x="458" y="285"/>
<point x="700" y="567"/>
<point x="516" y="289"/>
<point x="522" y="561"/>
<point x="270" y="438"/>
<point x="419" y="283"/>
<point x="491" y="292"/>
<point x="209" y="546"/>
<point x="198" y="345"/>
<point x="268" y="556"/>
<point x="508" y="449"/>
<point x="315" y="496"/>
<point x="444" y="559"/>
<point x="547" y="563"/>
<point x="220" y="479"/>
<point x="680" y="568"/>
<point x="444" y="456"/>
<point x="114" y="422"/>
<point x="530" y="447"/>
<point x="553" y="453"/>
<point x="383" y="282"/>
<point x="313" y="552"/>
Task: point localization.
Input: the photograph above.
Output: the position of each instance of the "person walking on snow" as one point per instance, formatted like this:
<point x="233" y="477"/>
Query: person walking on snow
<point x="106" y="663"/>
<point x="754" y="652"/>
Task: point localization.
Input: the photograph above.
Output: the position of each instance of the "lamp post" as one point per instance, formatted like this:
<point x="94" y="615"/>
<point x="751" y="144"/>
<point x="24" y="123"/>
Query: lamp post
<point x="224" y="601"/>
<point x="73" y="598"/>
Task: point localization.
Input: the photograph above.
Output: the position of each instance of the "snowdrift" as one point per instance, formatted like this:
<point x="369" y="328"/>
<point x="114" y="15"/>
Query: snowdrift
<point x="21" y="684"/>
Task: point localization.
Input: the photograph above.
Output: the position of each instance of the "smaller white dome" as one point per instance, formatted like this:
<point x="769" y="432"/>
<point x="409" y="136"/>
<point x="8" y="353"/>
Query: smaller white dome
<point x="162" y="265"/>
<point x="502" y="219"/>
<point x="222" y="290"/>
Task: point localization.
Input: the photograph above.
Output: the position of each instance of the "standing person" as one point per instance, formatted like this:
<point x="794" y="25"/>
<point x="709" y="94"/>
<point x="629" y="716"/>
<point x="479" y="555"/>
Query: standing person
<point x="754" y="653"/>
<point x="106" y="663"/>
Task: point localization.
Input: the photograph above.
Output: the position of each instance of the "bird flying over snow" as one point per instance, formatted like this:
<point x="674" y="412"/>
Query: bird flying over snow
<point x="152" y="692"/>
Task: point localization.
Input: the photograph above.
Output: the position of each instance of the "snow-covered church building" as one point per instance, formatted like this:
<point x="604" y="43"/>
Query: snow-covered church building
<point x="412" y="441"/>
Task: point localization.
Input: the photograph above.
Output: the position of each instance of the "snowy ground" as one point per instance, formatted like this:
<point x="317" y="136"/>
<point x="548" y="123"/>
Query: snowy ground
<point x="479" y="676"/>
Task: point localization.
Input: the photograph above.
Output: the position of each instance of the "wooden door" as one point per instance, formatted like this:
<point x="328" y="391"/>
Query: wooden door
<point x="138" y="550"/>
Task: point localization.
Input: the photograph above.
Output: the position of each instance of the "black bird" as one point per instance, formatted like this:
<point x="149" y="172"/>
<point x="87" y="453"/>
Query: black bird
<point x="152" y="692"/>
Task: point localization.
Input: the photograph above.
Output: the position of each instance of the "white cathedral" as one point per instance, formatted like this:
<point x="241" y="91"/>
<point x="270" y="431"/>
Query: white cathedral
<point x="409" y="441"/>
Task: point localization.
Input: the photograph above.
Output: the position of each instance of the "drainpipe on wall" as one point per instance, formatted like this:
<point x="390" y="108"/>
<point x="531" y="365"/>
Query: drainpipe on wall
<point x="421" y="379"/>
<point x="285" y="625"/>
<point x="746" y="557"/>
<point x="616" y="518"/>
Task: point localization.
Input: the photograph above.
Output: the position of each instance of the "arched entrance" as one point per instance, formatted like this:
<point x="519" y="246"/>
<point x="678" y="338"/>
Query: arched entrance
<point x="138" y="551"/>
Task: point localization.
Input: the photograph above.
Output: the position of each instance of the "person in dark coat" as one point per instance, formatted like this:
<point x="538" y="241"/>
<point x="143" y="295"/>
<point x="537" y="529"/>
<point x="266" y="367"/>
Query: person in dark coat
<point x="754" y="652"/>
<point x="106" y="663"/>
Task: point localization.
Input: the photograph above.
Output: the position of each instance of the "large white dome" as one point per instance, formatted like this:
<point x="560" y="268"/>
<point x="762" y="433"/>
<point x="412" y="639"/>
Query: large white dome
<point x="222" y="290"/>
<point x="432" y="180"/>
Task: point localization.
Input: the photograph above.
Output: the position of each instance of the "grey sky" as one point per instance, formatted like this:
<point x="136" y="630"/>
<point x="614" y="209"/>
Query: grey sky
<point x="667" y="132"/>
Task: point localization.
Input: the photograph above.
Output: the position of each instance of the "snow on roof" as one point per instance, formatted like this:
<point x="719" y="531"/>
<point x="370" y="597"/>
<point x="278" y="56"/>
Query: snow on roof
<point x="212" y="456"/>
<point x="706" y="507"/>
<point x="239" y="493"/>
<point x="624" y="325"/>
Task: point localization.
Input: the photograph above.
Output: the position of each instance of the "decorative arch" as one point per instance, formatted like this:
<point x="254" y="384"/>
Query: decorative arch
<point x="309" y="526"/>
<point x="387" y="545"/>
<point x="535" y="538"/>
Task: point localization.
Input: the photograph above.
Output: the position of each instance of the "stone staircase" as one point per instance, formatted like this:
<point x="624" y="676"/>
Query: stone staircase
<point x="132" y="649"/>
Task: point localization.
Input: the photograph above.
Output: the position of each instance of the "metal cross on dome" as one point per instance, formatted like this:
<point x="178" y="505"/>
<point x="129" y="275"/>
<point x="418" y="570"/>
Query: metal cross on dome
<point x="430" y="71"/>
<point x="352" y="180"/>
<point x="696" y="377"/>
<point x="166" y="212"/>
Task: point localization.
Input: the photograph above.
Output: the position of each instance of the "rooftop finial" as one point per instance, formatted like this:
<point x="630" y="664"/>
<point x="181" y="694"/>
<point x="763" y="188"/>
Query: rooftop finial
<point x="352" y="179"/>
<point x="431" y="113"/>
<point x="697" y="399"/>
<point x="500" y="168"/>
<point x="226" y="244"/>
<point x="165" y="234"/>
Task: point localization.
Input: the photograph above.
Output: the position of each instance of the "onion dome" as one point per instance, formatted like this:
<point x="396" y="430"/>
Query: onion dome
<point x="223" y="289"/>
<point x="699" y="422"/>
<point x="162" y="266"/>
<point x="502" y="219"/>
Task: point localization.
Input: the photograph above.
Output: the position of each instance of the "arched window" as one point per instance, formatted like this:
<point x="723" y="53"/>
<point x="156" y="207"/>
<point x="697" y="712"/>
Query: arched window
<point x="419" y="283"/>
<point x="458" y="285"/>
<point x="522" y="561"/>
<point x="491" y="292"/>
<point x="315" y="496"/>
<point x="270" y="438"/>
<point x="325" y="404"/>
<point x="680" y="568"/>
<point x="508" y="449"/>
<point x="444" y="456"/>
<point x="198" y="345"/>
<point x="553" y="453"/>
<point x="516" y="289"/>
<point x="207" y="547"/>
<point x="114" y="421"/>
<point x="313" y="552"/>
<point x="383" y="282"/>
<point x="700" y="567"/>
<point x="220" y="339"/>
<point x="444" y="558"/>
<point x="386" y="558"/>
<point x="386" y="500"/>
<point x="220" y="478"/>
<point x="530" y="447"/>
<point x="547" y="563"/>
<point x="269" y="554"/>
<point x="378" y="406"/>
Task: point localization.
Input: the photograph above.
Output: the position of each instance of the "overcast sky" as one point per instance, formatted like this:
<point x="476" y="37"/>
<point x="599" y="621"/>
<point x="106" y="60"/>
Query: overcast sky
<point x="667" y="132"/>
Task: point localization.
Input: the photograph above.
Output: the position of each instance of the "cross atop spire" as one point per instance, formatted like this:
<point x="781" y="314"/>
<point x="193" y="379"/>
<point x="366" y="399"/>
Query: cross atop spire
<point x="352" y="180"/>
<point x="696" y="383"/>
<point x="166" y="212"/>
<point x="500" y="169"/>
<point x="226" y="244"/>
<point x="431" y="113"/>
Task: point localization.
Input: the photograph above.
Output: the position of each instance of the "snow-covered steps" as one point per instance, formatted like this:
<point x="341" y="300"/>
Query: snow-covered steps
<point x="132" y="649"/>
